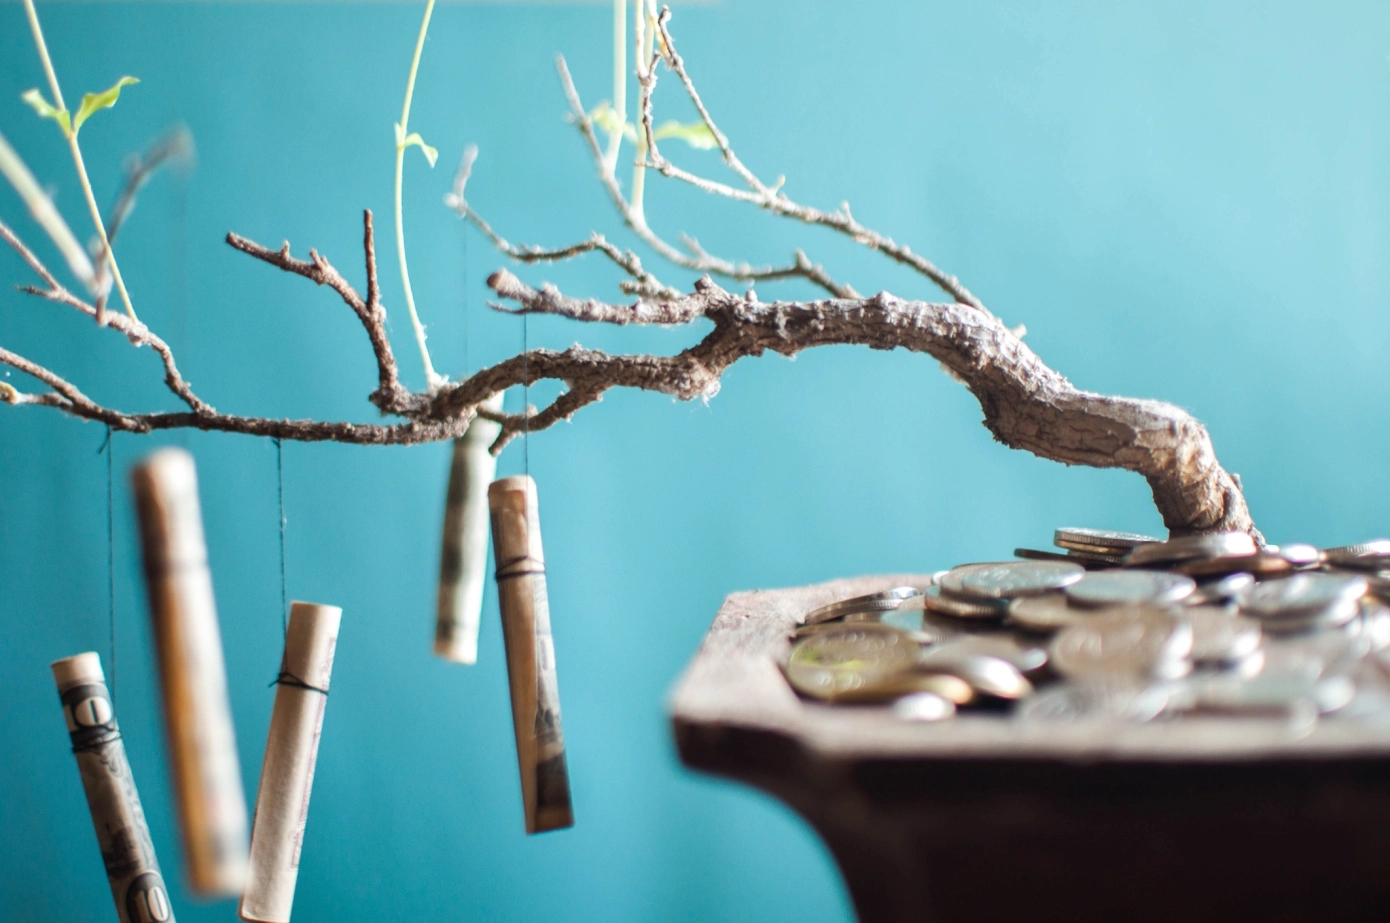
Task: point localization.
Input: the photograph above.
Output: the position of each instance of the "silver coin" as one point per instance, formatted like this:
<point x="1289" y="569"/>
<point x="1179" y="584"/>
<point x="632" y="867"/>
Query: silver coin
<point x="1299" y="554"/>
<point x="873" y="602"/>
<point x="1046" y="613"/>
<point x="923" y="706"/>
<point x="1372" y="555"/>
<point x="1375" y="624"/>
<point x="1009" y="579"/>
<point x="1259" y="564"/>
<point x="936" y="600"/>
<point x="1323" y="653"/>
<point x="1103" y="538"/>
<point x="1220" y="636"/>
<point x="909" y="618"/>
<point x="1300" y="595"/>
<point x="1092" y="549"/>
<point x="1131" y="641"/>
<point x="1271" y="693"/>
<point x="1095" y="700"/>
<point x="1191" y="548"/>
<point x="1303" y="622"/>
<point x="1223" y="589"/>
<point x="1026" y="658"/>
<point x="987" y="675"/>
<point x="1122" y="587"/>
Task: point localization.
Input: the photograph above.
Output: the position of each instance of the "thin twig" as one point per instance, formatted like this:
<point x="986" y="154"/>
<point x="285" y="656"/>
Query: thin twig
<point x="175" y="145"/>
<point x="133" y="330"/>
<point x="773" y="200"/>
<point x="644" y="283"/>
<point x="743" y="272"/>
<point x="390" y="396"/>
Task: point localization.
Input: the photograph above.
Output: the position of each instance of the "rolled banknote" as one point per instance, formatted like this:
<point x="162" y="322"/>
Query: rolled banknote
<point x="287" y="773"/>
<point x="193" y="677"/>
<point x="520" y="572"/>
<point x="463" y="554"/>
<point x="122" y="834"/>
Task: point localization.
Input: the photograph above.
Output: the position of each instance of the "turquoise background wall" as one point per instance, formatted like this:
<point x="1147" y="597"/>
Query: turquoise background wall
<point x="1182" y="200"/>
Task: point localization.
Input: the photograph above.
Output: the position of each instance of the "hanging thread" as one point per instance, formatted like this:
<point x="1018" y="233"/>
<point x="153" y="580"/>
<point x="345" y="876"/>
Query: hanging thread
<point x="109" y="450"/>
<point x="465" y="301"/>
<point x="289" y="679"/>
<point x="280" y="492"/>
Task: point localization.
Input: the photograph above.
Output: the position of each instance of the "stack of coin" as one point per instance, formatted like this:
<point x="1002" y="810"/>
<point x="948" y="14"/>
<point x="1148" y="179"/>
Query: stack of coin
<point x="1116" y="626"/>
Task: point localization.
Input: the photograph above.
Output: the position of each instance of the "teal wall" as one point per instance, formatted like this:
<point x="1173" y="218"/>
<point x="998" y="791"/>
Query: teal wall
<point x="1182" y="200"/>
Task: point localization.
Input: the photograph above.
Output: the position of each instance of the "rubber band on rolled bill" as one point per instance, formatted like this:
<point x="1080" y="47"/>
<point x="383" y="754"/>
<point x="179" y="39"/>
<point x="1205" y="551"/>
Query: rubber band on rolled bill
<point x="525" y="608"/>
<point x="287" y="772"/>
<point x="200" y="739"/>
<point x="132" y="870"/>
<point x="463" y="551"/>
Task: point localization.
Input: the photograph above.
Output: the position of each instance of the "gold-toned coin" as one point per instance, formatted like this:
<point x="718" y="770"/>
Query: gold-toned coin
<point x="909" y="682"/>
<point x="836" y="662"/>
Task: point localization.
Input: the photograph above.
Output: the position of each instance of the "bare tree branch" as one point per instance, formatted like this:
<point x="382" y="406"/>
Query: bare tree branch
<point x="391" y="396"/>
<point x="135" y="331"/>
<point x="1026" y="404"/>
<point x="644" y="283"/>
<point x="698" y="262"/>
<point x="175" y="145"/>
<point x="771" y="198"/>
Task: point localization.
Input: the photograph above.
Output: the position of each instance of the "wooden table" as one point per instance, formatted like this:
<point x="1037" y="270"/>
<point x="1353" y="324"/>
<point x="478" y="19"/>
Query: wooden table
<point x="984" y="818"/>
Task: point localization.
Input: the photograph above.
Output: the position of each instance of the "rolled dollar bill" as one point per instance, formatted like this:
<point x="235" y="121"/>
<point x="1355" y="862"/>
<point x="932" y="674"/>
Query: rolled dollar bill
<point x="520" y="572"/>
<point x="287" y="773"/>
<point x="122" y="834"/>
<point x="463" y="554"/>
<point x="193" y="677"/>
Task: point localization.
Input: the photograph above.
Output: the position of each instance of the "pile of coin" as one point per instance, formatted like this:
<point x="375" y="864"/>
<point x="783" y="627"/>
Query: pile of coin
<point x="1117" y="626"/>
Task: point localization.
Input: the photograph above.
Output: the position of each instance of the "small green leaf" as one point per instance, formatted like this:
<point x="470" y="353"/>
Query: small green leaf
<point x="414" y="140"/>
<point x="46" y="110"/>
<point x="91" y="102"/>
<point x="695" y="134"/>
<point x="606" y="118"/>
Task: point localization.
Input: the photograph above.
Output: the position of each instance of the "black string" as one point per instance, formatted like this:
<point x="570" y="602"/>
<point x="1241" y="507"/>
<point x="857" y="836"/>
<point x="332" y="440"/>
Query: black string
<point x="280" y="486"/>
<point x="99" y="737"/>
<point x="505" y="571"/>
<point x="107" y="448"/>
<point x="289" y="679"/>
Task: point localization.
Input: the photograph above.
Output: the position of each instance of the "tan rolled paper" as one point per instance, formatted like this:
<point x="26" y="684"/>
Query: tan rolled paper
<point x="287" y="773"/>
<point x="463" y="553"/>
<point x="122" y="834"/>
<point x="193" y="677"/>
<point x="520" y="571"/>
